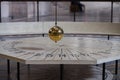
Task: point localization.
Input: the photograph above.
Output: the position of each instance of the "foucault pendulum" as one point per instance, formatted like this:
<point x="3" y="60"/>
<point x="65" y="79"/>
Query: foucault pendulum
<point x="56" y="33"/>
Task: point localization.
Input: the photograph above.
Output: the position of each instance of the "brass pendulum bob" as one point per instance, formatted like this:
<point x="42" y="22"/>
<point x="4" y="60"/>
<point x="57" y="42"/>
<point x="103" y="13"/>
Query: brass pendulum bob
<point x="56" y="33"/>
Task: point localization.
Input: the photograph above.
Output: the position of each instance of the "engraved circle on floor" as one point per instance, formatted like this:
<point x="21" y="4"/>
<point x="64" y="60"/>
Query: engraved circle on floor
<point x="45" y="51"/>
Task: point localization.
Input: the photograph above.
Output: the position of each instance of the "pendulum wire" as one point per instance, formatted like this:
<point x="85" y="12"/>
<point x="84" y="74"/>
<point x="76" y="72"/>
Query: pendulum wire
<point x="0" y="13"/>
<point x="56" y="13"/>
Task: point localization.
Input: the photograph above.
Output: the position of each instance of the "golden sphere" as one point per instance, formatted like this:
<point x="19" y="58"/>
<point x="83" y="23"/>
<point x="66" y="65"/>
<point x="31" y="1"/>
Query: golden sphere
<point x="56" y="33"/>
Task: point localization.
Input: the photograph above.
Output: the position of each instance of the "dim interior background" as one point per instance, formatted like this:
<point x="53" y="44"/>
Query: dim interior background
<point x="27" y="11"/>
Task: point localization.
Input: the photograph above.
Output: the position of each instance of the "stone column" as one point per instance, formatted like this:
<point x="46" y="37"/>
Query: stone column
<point x="44" y="8"/>
<point x="31" y="9"/>
<point x="5" y="9"/>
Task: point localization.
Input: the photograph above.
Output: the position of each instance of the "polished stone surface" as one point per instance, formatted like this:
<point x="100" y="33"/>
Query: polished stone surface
<point x="70" y="50"/>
